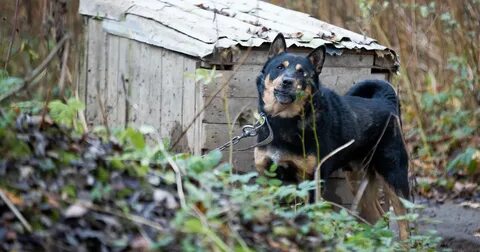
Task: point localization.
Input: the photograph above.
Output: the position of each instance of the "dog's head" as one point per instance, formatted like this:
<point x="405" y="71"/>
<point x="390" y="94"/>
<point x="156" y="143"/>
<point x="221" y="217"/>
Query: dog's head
<point x="287" y="80"/>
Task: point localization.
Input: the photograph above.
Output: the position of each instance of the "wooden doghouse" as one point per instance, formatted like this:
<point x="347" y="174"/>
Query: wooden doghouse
<point x="141" y="57"/>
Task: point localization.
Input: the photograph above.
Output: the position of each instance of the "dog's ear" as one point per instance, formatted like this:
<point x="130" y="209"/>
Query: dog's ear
<point x="317" y="58"/>
<point x="278" y="46"/>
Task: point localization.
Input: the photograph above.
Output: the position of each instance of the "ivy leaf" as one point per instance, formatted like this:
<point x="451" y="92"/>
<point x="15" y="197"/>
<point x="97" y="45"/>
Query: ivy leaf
<point x="212" y="159"/>
<point x="243" y="178"/>
<point x="136" y="138"/>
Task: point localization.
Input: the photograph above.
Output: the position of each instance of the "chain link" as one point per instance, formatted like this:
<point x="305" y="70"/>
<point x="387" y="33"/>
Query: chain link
<point x="247" y="131"/>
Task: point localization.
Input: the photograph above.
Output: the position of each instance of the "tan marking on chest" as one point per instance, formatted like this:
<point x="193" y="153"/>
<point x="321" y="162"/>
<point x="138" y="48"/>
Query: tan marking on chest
<point x="304" y="166"/>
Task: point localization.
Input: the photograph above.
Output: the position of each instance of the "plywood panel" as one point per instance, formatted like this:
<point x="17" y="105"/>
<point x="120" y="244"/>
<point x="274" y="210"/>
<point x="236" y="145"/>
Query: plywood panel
<point x="95" y="71"/>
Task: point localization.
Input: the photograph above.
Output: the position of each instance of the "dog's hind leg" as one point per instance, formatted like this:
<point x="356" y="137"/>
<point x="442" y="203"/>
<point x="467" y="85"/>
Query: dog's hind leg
<point x="366" y="196"/>
<point x="391" y="162"/>
<point x="399" y="210"/>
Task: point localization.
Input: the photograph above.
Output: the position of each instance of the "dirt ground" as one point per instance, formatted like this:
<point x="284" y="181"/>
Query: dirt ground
<point x="458" y="226"/>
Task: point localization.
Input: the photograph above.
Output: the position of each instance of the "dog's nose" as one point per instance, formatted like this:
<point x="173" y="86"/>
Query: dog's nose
<point x="287" y="82"/>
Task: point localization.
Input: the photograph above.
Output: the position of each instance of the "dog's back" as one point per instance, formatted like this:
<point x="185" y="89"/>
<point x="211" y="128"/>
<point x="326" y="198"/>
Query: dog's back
<point x="375" y="89"/>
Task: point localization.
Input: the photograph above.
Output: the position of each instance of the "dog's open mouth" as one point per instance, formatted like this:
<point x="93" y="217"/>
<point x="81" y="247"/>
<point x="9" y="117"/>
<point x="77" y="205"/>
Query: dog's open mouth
<point x="283" y="97"/>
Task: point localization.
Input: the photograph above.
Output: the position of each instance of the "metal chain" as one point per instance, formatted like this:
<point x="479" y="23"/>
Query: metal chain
<point x="250" y="131"/>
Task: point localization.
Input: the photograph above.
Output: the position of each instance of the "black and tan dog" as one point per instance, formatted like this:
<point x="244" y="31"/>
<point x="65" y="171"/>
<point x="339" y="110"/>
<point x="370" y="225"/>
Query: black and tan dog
<point x="310" y="121"/>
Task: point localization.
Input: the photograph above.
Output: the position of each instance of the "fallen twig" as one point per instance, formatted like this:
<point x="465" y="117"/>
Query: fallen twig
<point x="178" y="176"/>
<point x="318" y="188"/>
<point x="63" y="72"/>
<point x="15" y="211"/>
<point x="12" y="38"/>
<point x="348" y="211"/>
<point x="131" y="217"/>
<point x="359" y="195"/>
<point x="81" y="114"/>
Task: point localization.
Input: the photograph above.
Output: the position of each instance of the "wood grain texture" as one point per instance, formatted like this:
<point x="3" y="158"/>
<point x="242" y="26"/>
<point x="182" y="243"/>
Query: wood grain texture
<point x="172" y="94"/>
<point x="111" y="94"/>
<point x="95" y="71"/>
<point x="189" y="102"/>
<point x="242" y="84"/>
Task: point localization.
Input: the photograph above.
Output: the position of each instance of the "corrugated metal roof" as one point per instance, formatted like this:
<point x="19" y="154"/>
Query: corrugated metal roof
<point x="197" y="27"/>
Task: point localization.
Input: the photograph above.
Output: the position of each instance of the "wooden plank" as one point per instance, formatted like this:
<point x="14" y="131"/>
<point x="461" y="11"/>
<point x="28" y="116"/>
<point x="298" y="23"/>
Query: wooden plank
<point x="143" y="64"/>
<point x="155" y="91"/>
<point x="243" y="107"/>
<point x="256" y="56"/>
<point x="111" y="94"/>
<point x="189" y="96"/>
<point x="81" y="85"/>
<point x="172" y="95"/>
<point x="122" y="69"/>
<point x="242" y="84"/>
<point x="199" y="103"/>
<point x="135" y="83"/>
<point x="95" y="71"/>
<point x="145" y="84"/>
<point x="348" y="59"/>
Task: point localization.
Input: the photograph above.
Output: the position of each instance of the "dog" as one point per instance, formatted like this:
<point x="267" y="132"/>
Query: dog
<point x="309" y="121"/>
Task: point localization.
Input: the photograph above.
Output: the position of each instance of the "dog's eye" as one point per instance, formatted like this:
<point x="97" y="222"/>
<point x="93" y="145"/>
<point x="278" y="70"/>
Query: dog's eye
<point x="280" y="67"/>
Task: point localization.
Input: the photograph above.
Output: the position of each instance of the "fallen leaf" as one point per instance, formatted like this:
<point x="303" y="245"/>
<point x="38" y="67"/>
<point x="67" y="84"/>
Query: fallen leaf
<point x="16" y="200"/>
<point x="139" y="244"/>
<point x="464" y="188"/>
<point x="75" y="211"/>
<point x="471" y="204"/>
<point x="52" y="201"/>
<point x="477" y="233"/>
<point x="164" y="196"/>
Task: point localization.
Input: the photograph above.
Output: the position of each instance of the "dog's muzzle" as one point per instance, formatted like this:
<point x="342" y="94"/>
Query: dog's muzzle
<point x="283" y="97"/>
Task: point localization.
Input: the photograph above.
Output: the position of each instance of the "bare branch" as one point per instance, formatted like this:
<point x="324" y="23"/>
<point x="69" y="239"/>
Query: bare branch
<point x="37" y="71"/>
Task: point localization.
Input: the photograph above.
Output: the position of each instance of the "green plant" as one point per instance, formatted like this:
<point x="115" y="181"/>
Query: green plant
<point x="127" y="178"/>
<point x="66" y="113"/>
<point x="467" y="162"/>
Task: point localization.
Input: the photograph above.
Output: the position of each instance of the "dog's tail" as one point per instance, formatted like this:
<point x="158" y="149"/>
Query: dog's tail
<point x="376" y="89"/>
